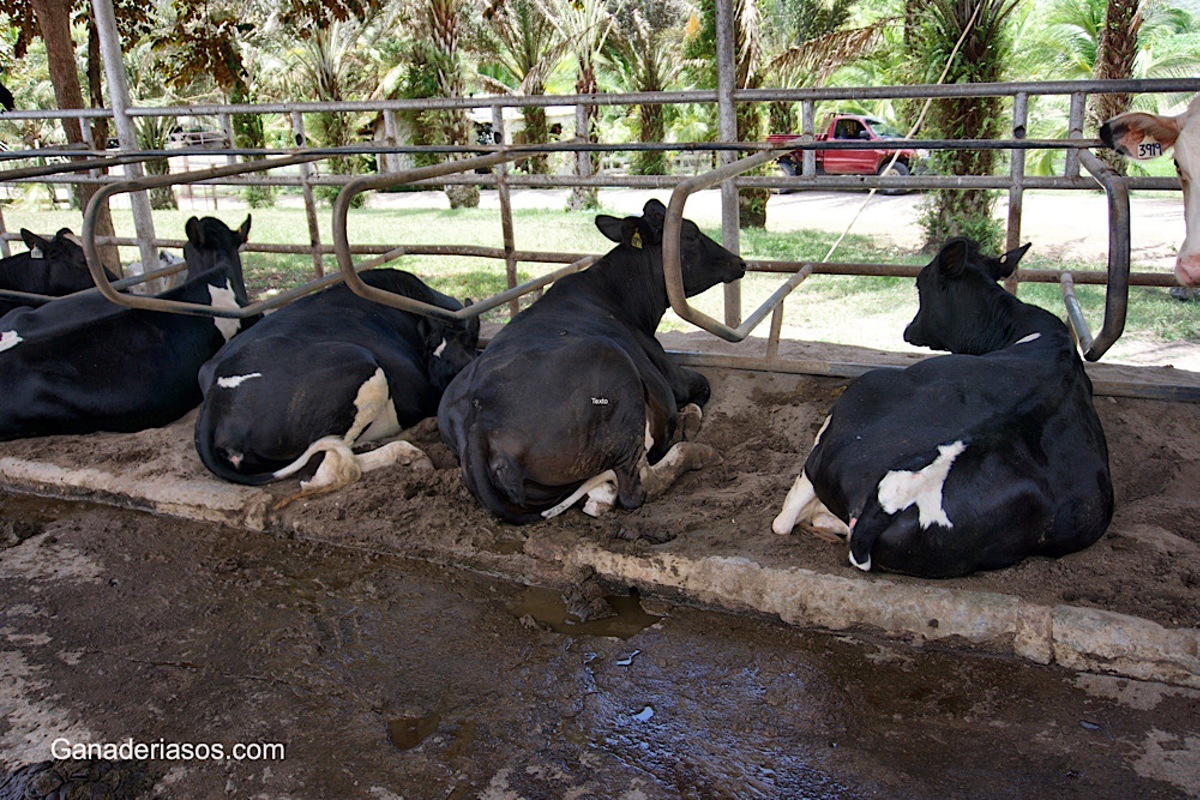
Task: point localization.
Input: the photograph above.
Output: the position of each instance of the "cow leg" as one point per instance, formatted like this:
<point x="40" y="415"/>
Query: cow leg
<point x="601" y="500"/>
<point x="681" y="458"/>
<point x="803" y="507"/>
<point x="341" y="467"/>
<point x="688" y="424"/>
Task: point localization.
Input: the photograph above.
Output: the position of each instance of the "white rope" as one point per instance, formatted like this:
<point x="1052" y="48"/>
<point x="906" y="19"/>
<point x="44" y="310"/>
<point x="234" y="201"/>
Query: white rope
<point x="916" y="126"/>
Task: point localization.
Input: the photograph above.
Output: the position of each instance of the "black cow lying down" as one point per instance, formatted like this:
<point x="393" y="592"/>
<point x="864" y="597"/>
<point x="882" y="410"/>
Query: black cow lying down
<point x="324" y="373"/>
<point x="964" y="462"/>
<point x="576" y="394"/>
<point x="82" y="364"/>
<point x="54" y="267"/>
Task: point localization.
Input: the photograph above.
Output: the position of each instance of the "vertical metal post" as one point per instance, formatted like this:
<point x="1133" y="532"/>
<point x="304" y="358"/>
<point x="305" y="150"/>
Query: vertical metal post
<point x="808" y="114"/>
<point x="118" y="92"/>
<point x="506" y="220"/>
<point x="727" y="132"/>
<point x="1075" y="125"/>
<point x="1016" y="193"/>
<point x="5" y="251"/>
<point x="226" y="122"/>
<point x="310" y="202"/>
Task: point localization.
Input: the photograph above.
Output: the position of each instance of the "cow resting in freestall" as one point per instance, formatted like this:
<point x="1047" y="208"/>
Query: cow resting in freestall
<point x="52" y="266"/>
<point x="81" y="364"/>
<point x="1140" y="136"/>
<point x="325" y="373"/>
<point x="575" y="397"/>
<point x="963" y="462"/>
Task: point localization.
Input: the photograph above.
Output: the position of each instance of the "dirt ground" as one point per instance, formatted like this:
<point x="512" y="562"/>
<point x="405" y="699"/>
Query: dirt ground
<point x="1146" y="565"/>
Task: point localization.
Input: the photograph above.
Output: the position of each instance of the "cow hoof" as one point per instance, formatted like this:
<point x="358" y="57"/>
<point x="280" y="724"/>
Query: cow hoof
<point x="690" y="420"/>
<point x="600" y="500"/>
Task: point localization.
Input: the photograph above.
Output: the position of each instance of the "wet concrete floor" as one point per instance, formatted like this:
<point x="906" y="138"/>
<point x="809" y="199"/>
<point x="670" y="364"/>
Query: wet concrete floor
<point x="387" y="678"/>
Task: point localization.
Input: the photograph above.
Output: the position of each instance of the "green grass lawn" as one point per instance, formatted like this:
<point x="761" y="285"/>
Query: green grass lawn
<point x="828" y="308"/>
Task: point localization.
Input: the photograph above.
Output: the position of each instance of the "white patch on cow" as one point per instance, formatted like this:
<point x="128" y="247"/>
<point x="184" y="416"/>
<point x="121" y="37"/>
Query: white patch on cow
<point x="440" y="349"/>
<point x="224" y="298"/>
<point x="588" y="486"/>
<point x="383" y="426"/>
<point x="900" y="489"/>
<point x="369" y="404"/>
<point x="1030" y="338"/>
<point x="234" y="381"/>
<point x="865" y="566"/>
<point x="36" y="254"/>
<point x="824" y="425"/>
<point x="9" y="340"/>
<point x="601" y="500"/>
<point x="649" y="436"/>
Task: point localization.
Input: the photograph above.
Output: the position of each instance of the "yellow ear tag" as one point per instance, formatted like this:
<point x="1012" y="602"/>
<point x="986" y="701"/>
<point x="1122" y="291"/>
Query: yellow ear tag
<point x="636" y="241"/>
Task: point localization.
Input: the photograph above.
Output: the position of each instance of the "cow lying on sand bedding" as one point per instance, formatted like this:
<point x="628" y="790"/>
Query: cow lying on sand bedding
<point x="54" y="267"/>
<point x="963" y="462"/>
<point x="576" y="395"/>
<point x="83" y="363"/>
<point x="324" y="373"/>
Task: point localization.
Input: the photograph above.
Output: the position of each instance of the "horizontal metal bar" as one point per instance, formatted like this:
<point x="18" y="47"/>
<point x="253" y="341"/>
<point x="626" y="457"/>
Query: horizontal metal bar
<point x="124" y="283"/>
<point x="1143" y="86"/>
<point x="1102" y="386"/>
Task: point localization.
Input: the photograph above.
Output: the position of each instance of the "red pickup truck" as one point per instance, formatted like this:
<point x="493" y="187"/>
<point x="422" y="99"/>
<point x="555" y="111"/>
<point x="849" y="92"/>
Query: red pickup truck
<point x="843" y="127"/>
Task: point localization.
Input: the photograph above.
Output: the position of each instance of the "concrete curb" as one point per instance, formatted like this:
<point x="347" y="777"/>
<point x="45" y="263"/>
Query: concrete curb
<point x="1076" y="638"/>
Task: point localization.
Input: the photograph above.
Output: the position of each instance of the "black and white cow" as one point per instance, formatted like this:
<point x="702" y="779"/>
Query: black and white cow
<point x="963" y="462"/>
<point x="54" y="267"/>
<point x="82" y="364"/>
<point x="1140" y="135"/>
<point x="576" y="395"/>
<point x="324" y="373"/>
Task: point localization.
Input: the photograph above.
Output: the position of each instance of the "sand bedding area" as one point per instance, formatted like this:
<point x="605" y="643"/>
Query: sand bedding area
<point x="762" y="424"/>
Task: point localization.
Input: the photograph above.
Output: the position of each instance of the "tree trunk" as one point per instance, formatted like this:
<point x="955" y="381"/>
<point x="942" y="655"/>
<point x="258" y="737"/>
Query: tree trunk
<point x="1114" y="61"/>
<point x="54" y="20"/>
<point x="585" y="198"/>
<point x="652" y="128"/>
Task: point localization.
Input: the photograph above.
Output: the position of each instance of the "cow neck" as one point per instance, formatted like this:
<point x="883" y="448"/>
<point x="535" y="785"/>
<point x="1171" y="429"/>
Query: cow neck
<point x="631" y="281"/>
<point x="1021" y="320"/>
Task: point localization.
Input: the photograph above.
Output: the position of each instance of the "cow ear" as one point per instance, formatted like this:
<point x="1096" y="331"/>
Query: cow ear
<point x="952" y="259"/>
<point x="472" y="326"/>
<point x="655" y="213"/>
<point x="1126" y="132"/>
<point x="194" y="231"/>
<point x="610" y="226"/>
<point x="1007" y="263"/>
<point x="244" y="230"/>
<point x="32" y="240"/>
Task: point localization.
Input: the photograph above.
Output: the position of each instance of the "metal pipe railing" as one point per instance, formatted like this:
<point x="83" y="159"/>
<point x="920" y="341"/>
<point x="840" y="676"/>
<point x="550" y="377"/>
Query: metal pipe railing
<point x="32" y="298"/>
<point x="672" y="263"/>
<point x="1116" y="298"/>
<point x="349" y="272"/>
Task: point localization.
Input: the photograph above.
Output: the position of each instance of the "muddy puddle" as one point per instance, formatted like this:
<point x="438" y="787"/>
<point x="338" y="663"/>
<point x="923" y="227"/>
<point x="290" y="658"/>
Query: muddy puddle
<point x="383" y="677"/>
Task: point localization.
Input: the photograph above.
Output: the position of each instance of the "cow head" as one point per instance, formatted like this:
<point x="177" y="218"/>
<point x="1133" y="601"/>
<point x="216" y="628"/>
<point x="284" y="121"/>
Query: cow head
<point x="960" y="299"/>
<point x="450" y="346"/>
<point x="1139" y="135"/>
<point x="704" y="262"/>
<point x="211" y="244"/>
<point x="63" y="248"/>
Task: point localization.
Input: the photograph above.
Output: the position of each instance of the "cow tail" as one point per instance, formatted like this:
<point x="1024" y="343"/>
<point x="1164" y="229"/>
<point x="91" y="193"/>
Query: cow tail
<point x="865" y="531"/>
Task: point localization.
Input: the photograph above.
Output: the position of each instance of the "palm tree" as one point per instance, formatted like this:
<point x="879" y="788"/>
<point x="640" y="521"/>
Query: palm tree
<point x="585" y="25"/>
<point x="524" y="48"/>
<point x="810" y="40"/>
<point x="984" y="30"/>
<point x="642" y="57"/>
